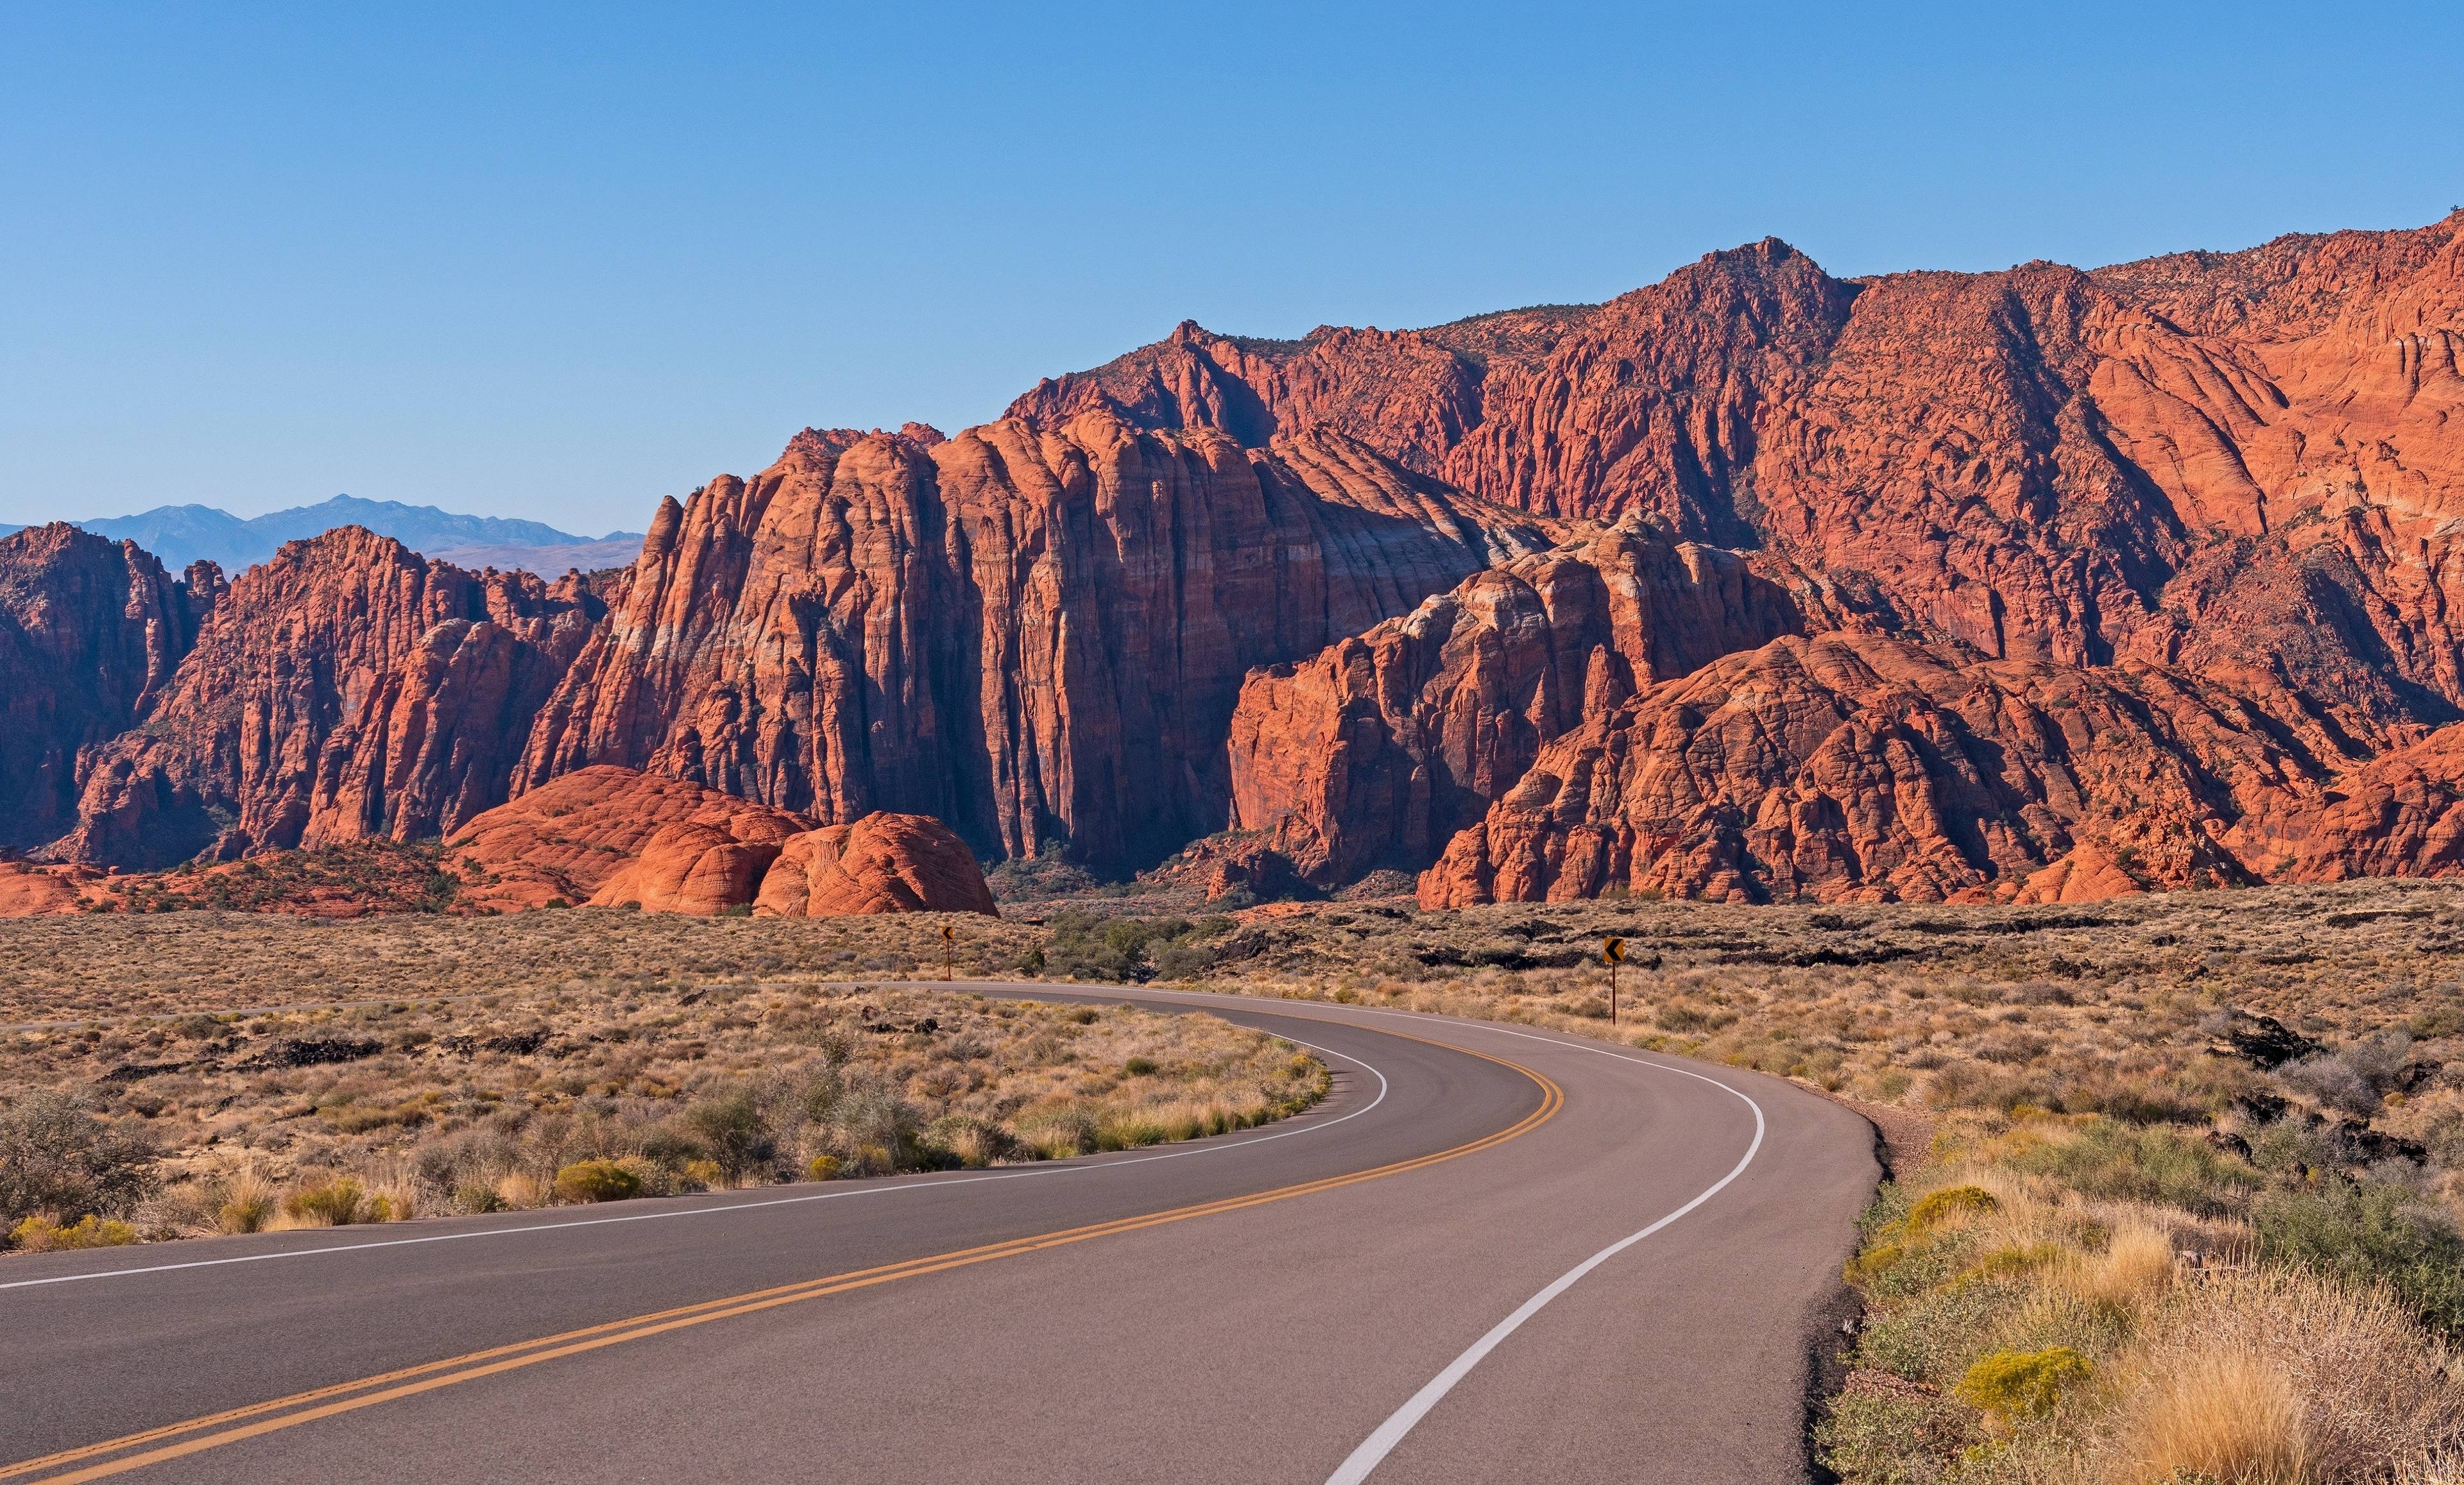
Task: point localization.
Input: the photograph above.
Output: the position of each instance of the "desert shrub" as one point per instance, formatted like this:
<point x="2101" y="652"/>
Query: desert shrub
<point x="596" y="1180"/>
<point x="2331" y="1082"/>
<point x="337" y="1202"/>
<point x="2438" y="1021"/>
<point x="733" y="1130"/>
<point x="57" y="1157"/>
<point x="1138" y="1066"/>
<point x="2289" y="1147"/>
<point x="1930" y="1332"/>
<point x="2369" y="1233"/>
<point x="656" y="1180"/>
<point x="48" y="1234"/>
<point x="1182" y="958"/>
<point x="872" y="1117"/>
<point x="2013" y="1385"/>
<point x="963" y="1141"/>
<point x="2116" y="1161"/>
<point x="1951" y="1202"/>
<point x="1085" y="946"/>
<point x="823" y="1167"/>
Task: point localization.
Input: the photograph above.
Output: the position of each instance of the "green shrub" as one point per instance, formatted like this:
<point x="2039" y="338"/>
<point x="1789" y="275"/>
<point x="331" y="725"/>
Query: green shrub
<point x="823" y="1167"/>
<point x="1183" y="958"/>
<point x="1139" y="1066"/>
<point x="2366" y="1233"/>
<point x="1930" y="1331"/>
<point x="730" y="1123"/>
<point x="2022" y="1383"/>
<point x="338" y="1203"/>
<point x="1129" y="949"/>
<point x="596" y="1180"/>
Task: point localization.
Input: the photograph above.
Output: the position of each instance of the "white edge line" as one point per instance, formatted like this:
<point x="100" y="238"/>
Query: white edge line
<point x="1374" y="1450"/>
<point x="1053" y="1170"/>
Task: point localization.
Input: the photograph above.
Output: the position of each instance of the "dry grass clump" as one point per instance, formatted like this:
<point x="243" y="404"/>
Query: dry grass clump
<point x="2278" y="1375"/>
<point x="2215" y="1415"/>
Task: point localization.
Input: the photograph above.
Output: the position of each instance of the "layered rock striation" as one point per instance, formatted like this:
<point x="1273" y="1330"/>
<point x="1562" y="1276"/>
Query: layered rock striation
<point x="1861" y="767"/>
<point x="91" y="634"/>
<point x="1376" y="751"/>
<point x="1033" y="636"/>
<point x="2243" y="456"/>
<point x="347" y="688"/>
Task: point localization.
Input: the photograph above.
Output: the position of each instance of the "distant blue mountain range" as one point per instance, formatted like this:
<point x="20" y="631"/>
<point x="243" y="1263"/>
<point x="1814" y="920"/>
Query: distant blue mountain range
<point x="183" y="534"/>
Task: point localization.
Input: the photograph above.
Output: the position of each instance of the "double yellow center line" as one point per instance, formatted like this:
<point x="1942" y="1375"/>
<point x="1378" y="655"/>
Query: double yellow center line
<point x="173" y="1441"/>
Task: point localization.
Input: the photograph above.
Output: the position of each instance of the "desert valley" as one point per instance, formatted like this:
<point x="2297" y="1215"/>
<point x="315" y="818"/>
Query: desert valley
<point x="2021" y="710"/>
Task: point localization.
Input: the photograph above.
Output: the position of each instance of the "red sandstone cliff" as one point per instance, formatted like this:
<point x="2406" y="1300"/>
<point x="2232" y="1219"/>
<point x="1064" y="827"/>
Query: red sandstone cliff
<point x="90" y="632"/>
<point x="2248" y="456"/>
<point x="1380" y="748"/>
<point x="345" y="689"/>
<point x="1033" y="636"/>
<point x="1864" y="768"/>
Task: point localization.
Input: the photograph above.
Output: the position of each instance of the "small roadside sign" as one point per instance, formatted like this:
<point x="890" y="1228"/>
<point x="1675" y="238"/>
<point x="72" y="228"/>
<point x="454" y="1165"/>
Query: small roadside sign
<point x="1612" y="954"/>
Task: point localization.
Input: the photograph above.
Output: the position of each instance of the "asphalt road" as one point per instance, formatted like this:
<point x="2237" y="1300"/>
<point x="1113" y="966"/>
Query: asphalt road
<point x="1392" y="1286"/>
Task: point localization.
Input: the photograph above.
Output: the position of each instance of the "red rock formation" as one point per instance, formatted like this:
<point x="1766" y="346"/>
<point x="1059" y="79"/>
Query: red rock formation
<point x="2400" y="815"/>
<point x="2208" y="456"/>
<point x="2206" y="486"/>
<point x="1380" y="748"/>
<point x="28" y="891"/>
<point x="1033" y="636"/>
<point x="882" y="862"/>
<point x="1858" y="767"/>
<point x="90" y="633"/>
<point x="612" y="837"/>
<point x="345" y="689"/>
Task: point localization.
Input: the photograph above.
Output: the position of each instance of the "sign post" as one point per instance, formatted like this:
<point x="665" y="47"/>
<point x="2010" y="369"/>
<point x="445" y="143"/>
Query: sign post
<point x="949" y="943"/>
<point x="1612" y="954"/>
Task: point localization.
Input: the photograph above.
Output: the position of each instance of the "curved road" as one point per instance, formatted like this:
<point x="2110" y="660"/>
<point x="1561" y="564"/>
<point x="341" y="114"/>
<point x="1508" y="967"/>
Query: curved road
<point x="1493" y="1253"/>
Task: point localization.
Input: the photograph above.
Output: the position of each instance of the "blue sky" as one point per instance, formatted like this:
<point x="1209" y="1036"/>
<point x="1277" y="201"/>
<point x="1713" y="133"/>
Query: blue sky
<point x="558" y="264"/>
